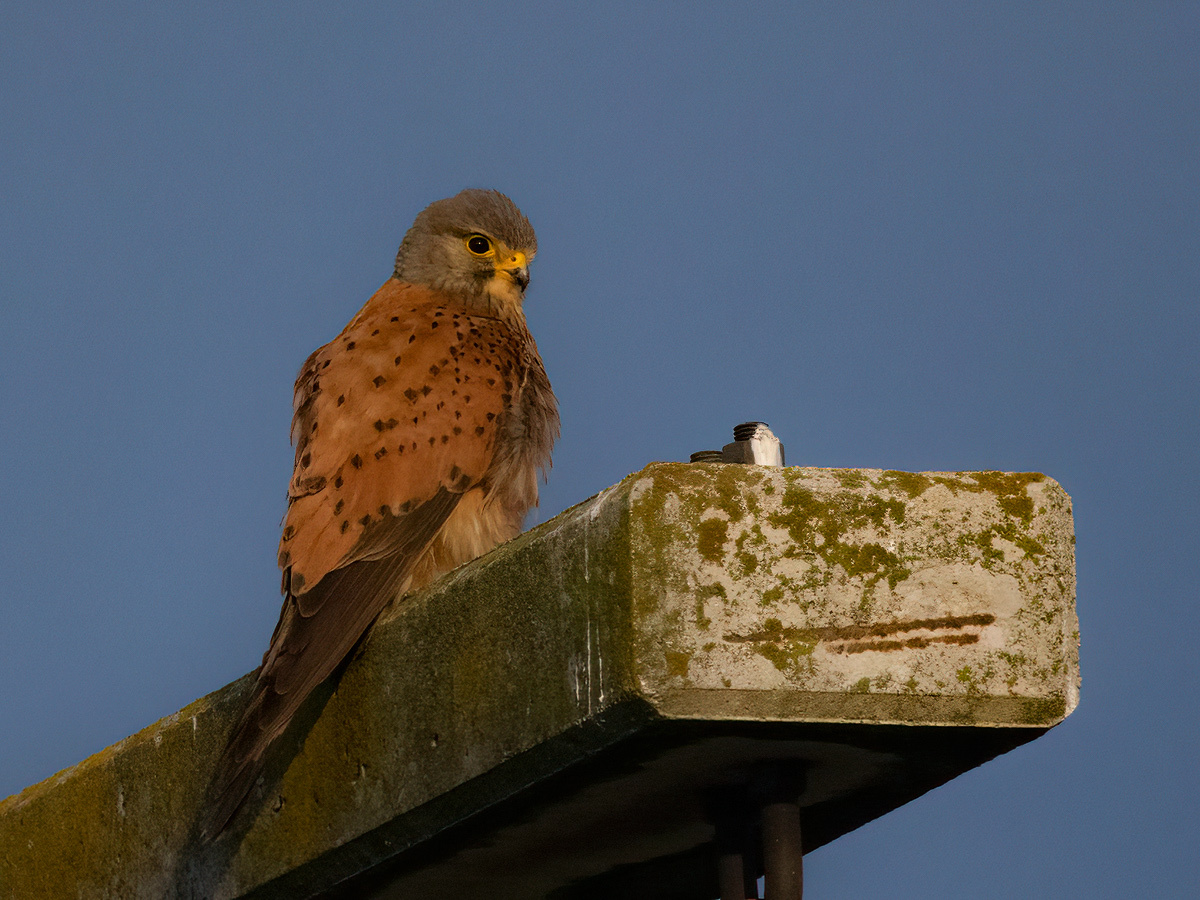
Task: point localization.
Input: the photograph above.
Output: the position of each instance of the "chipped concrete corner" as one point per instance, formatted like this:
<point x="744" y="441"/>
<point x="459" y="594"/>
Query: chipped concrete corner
<point x="701" y="592"/>
<point x="857" y="594"/>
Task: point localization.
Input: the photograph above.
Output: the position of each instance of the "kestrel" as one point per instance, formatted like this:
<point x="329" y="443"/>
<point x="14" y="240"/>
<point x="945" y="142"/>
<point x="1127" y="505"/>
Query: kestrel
<point x="420" y="431"/>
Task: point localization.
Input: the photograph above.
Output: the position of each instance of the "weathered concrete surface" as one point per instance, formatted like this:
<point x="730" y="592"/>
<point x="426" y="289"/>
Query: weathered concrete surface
<point x="885" y="630"/>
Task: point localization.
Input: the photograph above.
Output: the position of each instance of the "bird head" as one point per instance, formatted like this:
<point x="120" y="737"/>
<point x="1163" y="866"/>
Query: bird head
<point x="475" y="246"/>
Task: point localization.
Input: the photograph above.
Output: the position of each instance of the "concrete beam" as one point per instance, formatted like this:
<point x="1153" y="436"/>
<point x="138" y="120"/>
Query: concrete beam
<point x="566" y="716"/>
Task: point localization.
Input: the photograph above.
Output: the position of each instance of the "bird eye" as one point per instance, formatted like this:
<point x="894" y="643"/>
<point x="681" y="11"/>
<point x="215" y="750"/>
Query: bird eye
<point x="479" y="245"/>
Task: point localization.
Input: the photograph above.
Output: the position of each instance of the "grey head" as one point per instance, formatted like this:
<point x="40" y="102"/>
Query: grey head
<point x="475" y="246"/>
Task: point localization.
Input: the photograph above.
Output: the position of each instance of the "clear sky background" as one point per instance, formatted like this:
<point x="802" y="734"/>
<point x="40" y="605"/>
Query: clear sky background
<point x="932" y="236"/>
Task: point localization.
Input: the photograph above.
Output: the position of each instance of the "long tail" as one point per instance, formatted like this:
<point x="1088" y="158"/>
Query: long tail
<point x="316" y="631"/>
<point x="268" y="712"/>
<point x="238" y="769"/>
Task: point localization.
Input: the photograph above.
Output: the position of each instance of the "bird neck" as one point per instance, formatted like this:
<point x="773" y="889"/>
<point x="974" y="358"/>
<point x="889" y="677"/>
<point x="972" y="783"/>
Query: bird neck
<point x="502" y="299"/>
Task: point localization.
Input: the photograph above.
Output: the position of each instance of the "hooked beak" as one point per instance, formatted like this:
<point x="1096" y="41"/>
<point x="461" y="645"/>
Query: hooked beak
<point x="516" y="270"/>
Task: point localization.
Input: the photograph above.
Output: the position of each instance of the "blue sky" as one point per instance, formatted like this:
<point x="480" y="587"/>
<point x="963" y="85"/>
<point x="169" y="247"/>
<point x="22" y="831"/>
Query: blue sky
<point x="931" y="236"/>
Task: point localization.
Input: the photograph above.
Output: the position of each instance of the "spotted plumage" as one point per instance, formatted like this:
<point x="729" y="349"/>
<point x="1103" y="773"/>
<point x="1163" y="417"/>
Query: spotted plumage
<point x="420" y="431"/>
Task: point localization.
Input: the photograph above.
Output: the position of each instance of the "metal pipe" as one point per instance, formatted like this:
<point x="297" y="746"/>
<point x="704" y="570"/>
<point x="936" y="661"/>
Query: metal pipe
<point x="731" y="876"/>
<point x="732" y="813"/>
<point x="783" y="851"/>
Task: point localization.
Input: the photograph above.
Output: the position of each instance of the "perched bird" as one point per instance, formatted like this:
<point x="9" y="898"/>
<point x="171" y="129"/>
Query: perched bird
<point x="420" y="431"/>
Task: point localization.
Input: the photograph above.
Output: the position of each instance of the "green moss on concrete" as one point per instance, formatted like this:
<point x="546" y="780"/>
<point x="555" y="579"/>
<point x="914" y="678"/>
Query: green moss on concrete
<point x="677" y="663"/>
<point x="788" y="656"/>
<point x="1015" y="666"/>
<point x="868" y="531"/>
<point x="966" y="677"/>
<point x="747" y="562"/>
<point x="1029" y="546"/>
<point x="711" y="537"/>
<point x="747" y="546"/>
<point x="771" y="596"/>
<point x="982" y="542"/>
<point x="788" y="649"/>
<point x="912" y="483"/>
<point x="870" y="560"/>
<point x="989" y="553"/>
<point x="851" y="479"/>
<point x="808" y="517"/>
<point x="1043" y="711"/>
<point x="820" y="526"/>
<point x="1010" y="488"/>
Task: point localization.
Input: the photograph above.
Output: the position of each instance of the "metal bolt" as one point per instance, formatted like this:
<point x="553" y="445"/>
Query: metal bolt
<point x="753" y="444"/>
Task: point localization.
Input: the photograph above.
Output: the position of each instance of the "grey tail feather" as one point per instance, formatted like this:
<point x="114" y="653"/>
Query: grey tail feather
<point x="235" y="775"/>
<point x="268" y="712"/>
<point x="223" y="806"/>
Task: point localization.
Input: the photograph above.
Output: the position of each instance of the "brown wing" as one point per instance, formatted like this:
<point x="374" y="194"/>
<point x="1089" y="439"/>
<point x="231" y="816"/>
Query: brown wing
<point x="405" y="401"/>
<point x="394" y="421"/>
